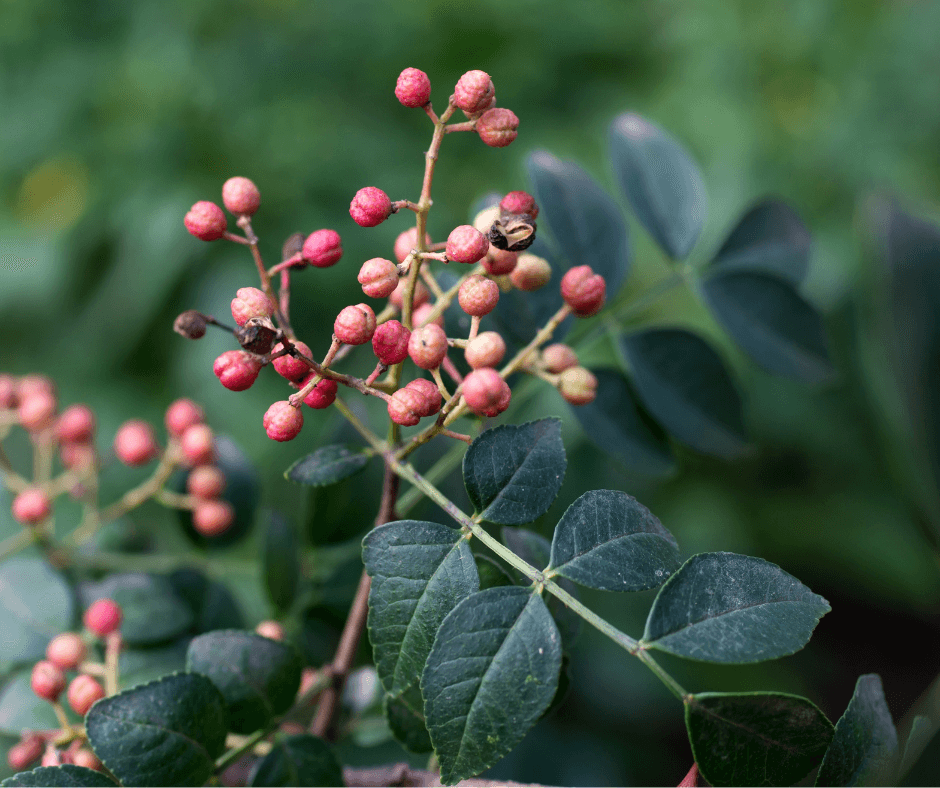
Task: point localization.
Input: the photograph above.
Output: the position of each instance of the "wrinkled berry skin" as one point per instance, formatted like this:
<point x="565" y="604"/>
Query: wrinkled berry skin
<point x="430" y="396"/>
<point x="206" y="221"/>
<point x="355" y="325"/>
<point x="378" y="277"/>
<point x="577" y="385"/>
<point x="413" y="88"/>
<point x="498" y="127"/>
<point x="478" y="296"/>
<point x="485" y="350"/>
<point x="31" y="506"/>
<point x="322" y="248"/>
<point x="485" y="392"/>
<point x="519" y="202"/>
<point x="405" y="405"/>
<point x="291" y="368"/>
<point x="236" y="369"/>
<point x="213" y="517"/>
<point x="103" y="617"/>
<point x="135" y="443"/>
<point x="428" y="346"/>
<point x="559" y="357"/>
<point x="250" y="302"/>
<point x="466" y="244"/>
<point x="241" y="196"/>
<point x="370" y="207"/>
<point x="282" y="422"/>
<point x="474" y="92"/>
<point x="583" y="290"/>
<point x="390" y="342"/>
<point x="322" y="395"/>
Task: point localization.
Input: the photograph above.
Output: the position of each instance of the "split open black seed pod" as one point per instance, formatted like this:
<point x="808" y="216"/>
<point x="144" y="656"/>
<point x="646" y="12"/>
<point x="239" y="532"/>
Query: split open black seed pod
<point x="256" y="336"/>
<point x="512" y="232"/>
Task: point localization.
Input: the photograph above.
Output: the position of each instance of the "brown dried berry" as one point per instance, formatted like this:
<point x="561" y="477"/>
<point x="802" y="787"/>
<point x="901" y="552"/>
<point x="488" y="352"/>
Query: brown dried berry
<point x="190" y="324"/>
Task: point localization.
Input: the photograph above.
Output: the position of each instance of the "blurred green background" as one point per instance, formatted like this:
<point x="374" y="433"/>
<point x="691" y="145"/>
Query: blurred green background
<point x="118" y="116"/>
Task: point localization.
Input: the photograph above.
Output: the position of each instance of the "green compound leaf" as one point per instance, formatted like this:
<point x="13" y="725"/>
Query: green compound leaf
<point x="420" y="572"/>
<point x="301" y="760"/>
<point x="683" y="382"/>
<point x="865" y="743"/>
<point x="769" y="238"/>
<point x="280" y="561"/>
<point x="67" y="776"/>
<point x="492" y="673"/>
<point x="661" y="182"/>
<point x="405" y="717"/>
<point x="616" y="425"/>
<point x="168" y="732"/>
<point x="610" y="541"/>
<point x="513" y="474"/>
<point x="724" y="607"/>
<point x="755" y="738"/>
<point x="328" y="465"/>
<point x="585" y="222"/>
<point x="258" y="677"/>
<point x="771" y="322"/>
<point x="36" y="604"/>
<point x="492" y="574"/>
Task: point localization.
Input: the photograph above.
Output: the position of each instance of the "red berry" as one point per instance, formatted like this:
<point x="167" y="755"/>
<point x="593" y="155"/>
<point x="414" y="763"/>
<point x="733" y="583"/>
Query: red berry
<point x="583" y="290"/>
<point x="577" y="385"/>
<point x="378" y="277"/>
<point x="213" y="517"/>
<point x="390" y="342"/>
<point x="421" y="314"/>
<point x="520" y="202"/>
<point x="83" y="693"/>
<point x="206" y="221"/>
<point x="135" y="443"/>
<point x="7" y="392"/>
<point x="322" y="395"/>
<point x="236" y="369"/>
<point x="293" y="369"/>
<point x="31" y="506"/>
<point x="198" y="445"/>
<point x="282" y="422"/>
<point x="478" y="296"/>
<point x="250" y="302"/>
<point x="271" y="630"/>
<point x="205" y="481"/>
<point x="407" y="241"/>
<point x="428" y="346"/>
<point x="241" y="196"/>
<point x="322" y="248"/>
<point x="181" y="414"/>
<point x="66" y="651"/>
<point x="36" y="410"/>
<point x="531" y="272"/>
<point x="485" y="350"/>
<point x="30" y="384"/>
<point x="103" y="617"/>
<point x="498" y="127"/>
<point x="421" y="296"/>
<point x="466" y="244"/>
<point x="355" y="325"/>
<point x="474" y="92"/>
<point x="86" y="758"/>
<point x="404" y="405"/>
<point x="370" y="207"/>
<point x="47" y="681"/>
<point x="430" y="396"/>
<point x="76" y="424"/>
<point x="559" y="357"/>
<point x="485" y="392"/>
<point x="25" y="752"/>
<point x="498" y="261"/>
<point x="413" y="88"/>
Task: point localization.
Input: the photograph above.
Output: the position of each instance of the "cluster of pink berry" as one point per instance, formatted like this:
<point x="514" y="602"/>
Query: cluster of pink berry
<point x="67" y="653"/>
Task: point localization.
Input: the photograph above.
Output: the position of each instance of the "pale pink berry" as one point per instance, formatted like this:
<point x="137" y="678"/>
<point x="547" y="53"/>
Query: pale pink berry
<point x="498" y="261"/>
<point x="466" y="244"/>
<point x="498" y="127"/>
<point x="404" y="405"/>
<point x="370" y="207"/>
<point x="531" y="272"/>
<point x="83" y="693"/>
<point x="103" y="617"/>
<point x="413" y="88"/>
<point x="390" y="342"/>
<point x="271" y="630"/>
<point x="66" y="651"/>
<point x="236" y="369"/>
<point x="206" y="221"/>
<point x="250" y="302"/>
<point x="135" y="443"/>
<point x="519" y="202"/>
<point x="378" y="277"/>
<point x="241" y="196"/>
<point x="198" y="445"/>
<point x="583" y="290"/>
<point x="428" y="346"/>
<point x="322" y="395"/>
<point x="77" y="455"/>
<point x="407" y="241"/>
<point x="577" y="385"/>
<point x="205" y="481"/>
<point x="474" y="92"/>
<point x="7" y="392"/>
<point x="213" y="517"/>
<point x="478" y="296"/>
<point x="181" y="414"/>
<point x="76" y="424"/>
<point x="559" y="357"/>
<point x="51" y="756"/>
<point x="47" y="681"/>
<point x="36" y="410"/>
<point x="25" y="752"/>
<point x="31" y="384"/>
<point x="430" y="396"/>
<point x="31" y="506"/>
<point x="355" y="325"/>
<point x="485" y="392"/>
<point x="85" y="757"/>
<point x="485" y="350"/>
<point x="420" y="315"/>
<point x="282" y="422"/>
<point x="322" y="248"/>
<point x="421" y="296"/>
<point x="291" y="368"/>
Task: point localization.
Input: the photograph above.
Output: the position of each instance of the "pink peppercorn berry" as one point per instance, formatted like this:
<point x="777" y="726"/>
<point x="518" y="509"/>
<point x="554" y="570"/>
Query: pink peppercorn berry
<point x="30" y="384"/>
<point x="355" y="325"/>
<point x="198" y="445"/>
<point x="519" y="202"/>
<point x="498" y="261"/>
<point x="47" y="681"/>
<point x="86" y="758"/>
<point x="485" y="392"/>
<point x="428" y="346"/>
<point x="36" y="409"/>
<point x="322" y="248"/>
<point x="135" y="443"/>
<point x="485" y="350"/>
<point x="205" y="481"/>
<point x="407" y="241"/>
<point x="282" y="421"/>
<point x="271" y="630"/>
<point x="26" y="752"/>
<point x="322" y="395"/>
<point x="182" y="414"/>
<point x="405" y="405"/>
<point x="241" y="196"/>
<point x="291" y="368"/>
<point x="250" y="302"/>
<point x="531" y="272"/>
<point x="76" y="424"/>
<point x="31" y="506"/>
<point x="559" y="357"/>
<point x="430" y="396"/>
<point x="66" y="651"/>
<point x="421" y="295"/>
<point x="390" y="342"/>
<point x="478" y="296"/>
<point x="577" y="385"/>
<point x="583" y="290"/>
<point x="498" y="127"/>
<point x="378" y="277"/>
<point x="370" y="207"/>
<point x="237" y="370"/>
<point x="474" y="92"/>
<point x="466" y="244"/>
<point x="213" y="517"/>
<point x="206" y="221"/>
<point x="103" y="617"/>
<point x="83" y="693"/>
<point x="413" y="88"/>
<point x="421" y="314"/>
